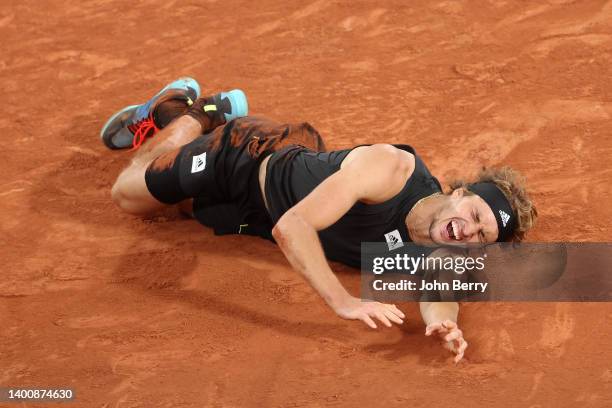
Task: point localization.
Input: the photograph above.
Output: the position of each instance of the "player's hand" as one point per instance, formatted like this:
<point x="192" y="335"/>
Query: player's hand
<point x="353" y="308"/>
<point x="451" y="334"/>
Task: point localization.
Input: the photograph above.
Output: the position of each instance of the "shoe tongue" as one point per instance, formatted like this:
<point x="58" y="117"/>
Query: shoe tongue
<point x="143" y="111"/>
<point x="223" y="105"/>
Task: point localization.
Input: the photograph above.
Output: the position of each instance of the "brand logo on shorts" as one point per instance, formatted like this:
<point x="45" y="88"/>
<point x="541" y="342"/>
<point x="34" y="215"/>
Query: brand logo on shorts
<point x="394" y="240"/>
<point x="199" y="163"/>
<point x="504" y="217"/>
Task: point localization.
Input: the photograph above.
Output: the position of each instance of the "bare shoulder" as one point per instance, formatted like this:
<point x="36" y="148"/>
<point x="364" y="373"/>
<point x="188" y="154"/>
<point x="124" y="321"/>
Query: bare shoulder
<point x="381" y="155"/>
<point x="381" y="169"/>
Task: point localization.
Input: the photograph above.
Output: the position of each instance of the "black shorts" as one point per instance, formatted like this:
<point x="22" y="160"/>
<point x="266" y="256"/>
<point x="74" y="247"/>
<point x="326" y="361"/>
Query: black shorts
<point x="220" y="171"/>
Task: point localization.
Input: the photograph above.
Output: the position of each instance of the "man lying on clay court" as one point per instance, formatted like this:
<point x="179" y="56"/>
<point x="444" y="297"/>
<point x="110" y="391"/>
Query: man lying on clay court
<point x="252" y="176"/>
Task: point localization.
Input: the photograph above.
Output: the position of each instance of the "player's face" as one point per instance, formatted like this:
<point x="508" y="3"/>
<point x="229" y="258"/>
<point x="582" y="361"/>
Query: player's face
<point x="466" y="218"/>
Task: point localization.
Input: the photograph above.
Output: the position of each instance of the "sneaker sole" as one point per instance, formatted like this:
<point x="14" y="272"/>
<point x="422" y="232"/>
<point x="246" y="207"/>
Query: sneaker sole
<point x="108" y="142"/>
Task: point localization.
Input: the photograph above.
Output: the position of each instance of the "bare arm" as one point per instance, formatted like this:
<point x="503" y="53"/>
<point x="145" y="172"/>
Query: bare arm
<point x="296" y="231"/>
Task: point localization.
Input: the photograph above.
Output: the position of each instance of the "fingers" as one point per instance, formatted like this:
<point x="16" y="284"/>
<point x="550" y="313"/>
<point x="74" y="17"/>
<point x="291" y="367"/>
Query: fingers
<point x="450" y="346"/>
<point x="387" y="314"/>
<point x="393" y="317"/>
<point x="456" y="344"/>
<point x="393" y="309"/>
<point x="461" y="350"/>
<point x="441" y="327"/>
<point x="456" y="341"/>
<point x="434" y="327"/>
<point x="454" y="335"/>
<point x="368" y="311"/>
<point x="368" y="320"/>
<point x="392" y="313"/>
<point x="449" y="325"/>
<point x="381" y="316"/>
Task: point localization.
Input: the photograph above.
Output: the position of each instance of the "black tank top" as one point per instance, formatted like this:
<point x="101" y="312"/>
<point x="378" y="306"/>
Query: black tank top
<point x="295" y="171"/>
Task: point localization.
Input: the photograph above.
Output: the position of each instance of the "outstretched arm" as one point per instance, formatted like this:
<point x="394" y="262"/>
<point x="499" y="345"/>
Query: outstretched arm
<point x="373" y="174"/>
<point x="441" y="318"/>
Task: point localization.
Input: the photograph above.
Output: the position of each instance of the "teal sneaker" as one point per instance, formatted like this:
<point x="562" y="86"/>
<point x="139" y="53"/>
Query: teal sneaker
<point x="219" y="109"/>
<point x="132" y="125"/>
<point x="233" y="104"/>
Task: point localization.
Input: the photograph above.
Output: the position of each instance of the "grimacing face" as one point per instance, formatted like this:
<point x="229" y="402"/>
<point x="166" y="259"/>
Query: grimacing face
<point x="465" y="218"/>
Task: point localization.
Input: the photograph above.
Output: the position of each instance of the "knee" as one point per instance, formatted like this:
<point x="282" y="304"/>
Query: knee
<point x="131" y="194"/>
<point x="119" y="197"/>
<point x="122" y="199"/>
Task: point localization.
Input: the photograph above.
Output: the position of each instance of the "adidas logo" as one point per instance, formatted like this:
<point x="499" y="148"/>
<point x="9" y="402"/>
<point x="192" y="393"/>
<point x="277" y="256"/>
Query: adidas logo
<point x="504" y="217"/>
<point x="394" y="240"/>
<point x="199" y="163"/>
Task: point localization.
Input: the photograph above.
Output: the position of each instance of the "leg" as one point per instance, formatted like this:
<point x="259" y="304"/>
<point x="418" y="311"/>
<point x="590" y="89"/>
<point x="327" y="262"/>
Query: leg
<point x="130" y="191"/>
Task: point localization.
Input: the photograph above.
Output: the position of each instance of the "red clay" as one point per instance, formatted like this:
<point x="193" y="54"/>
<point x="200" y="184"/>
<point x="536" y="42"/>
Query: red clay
<point x="161" y="313"/>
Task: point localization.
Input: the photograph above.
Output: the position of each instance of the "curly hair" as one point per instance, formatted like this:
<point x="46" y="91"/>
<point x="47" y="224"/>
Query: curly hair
<point x="512" y="184"/>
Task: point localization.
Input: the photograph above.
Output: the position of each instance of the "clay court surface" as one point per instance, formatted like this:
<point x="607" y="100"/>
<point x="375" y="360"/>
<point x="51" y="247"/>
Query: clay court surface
<point x="161" y="313"/>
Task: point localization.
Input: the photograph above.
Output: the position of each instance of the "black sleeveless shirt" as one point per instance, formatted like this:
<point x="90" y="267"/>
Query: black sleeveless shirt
<point x="295" y="171"/>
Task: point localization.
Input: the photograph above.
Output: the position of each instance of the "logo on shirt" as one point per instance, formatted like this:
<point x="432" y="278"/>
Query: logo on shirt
<point x="199" y="163"/>
<point x="394" y="240"/>
<point x="504" y="217"/>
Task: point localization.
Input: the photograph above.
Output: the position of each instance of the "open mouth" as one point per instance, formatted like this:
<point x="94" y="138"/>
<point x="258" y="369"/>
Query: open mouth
<point x="454" y="233"/>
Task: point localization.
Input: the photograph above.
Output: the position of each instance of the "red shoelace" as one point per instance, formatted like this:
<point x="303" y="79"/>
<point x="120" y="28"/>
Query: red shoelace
<point x="142" y="130"/>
